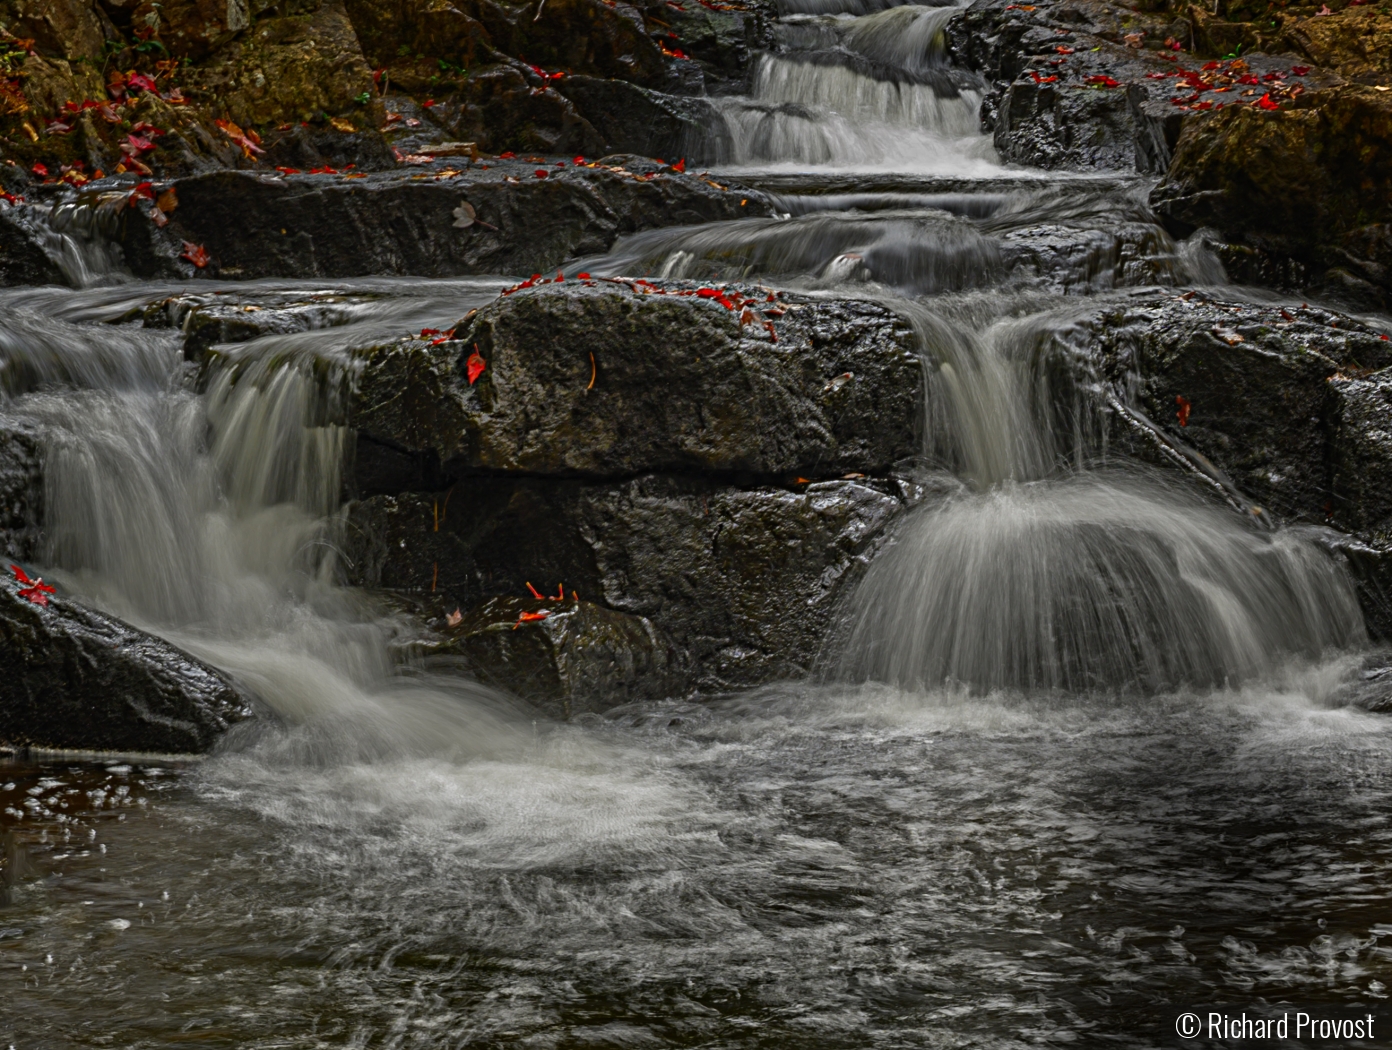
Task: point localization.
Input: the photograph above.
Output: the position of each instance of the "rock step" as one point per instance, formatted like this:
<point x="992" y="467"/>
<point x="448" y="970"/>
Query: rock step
<point x="262" y="225"/>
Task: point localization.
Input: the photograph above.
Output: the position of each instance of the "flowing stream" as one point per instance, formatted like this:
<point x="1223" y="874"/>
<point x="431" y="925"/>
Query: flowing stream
<point x="1075" y="761"/>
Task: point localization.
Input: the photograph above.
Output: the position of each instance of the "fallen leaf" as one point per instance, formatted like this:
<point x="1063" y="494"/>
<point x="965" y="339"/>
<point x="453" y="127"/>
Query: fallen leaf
<point x="40" y="170"/>
<point x="1102" y="80"/>
<point x="167" y="201"/>
<point x="1228" y="336"/>
<point x="464" y="215"/>
<point x="560" y="594"/>
<point x="527" y="617"/>
<point x="35" y="591"/>
<point x="541" y="173"/>
<point x="454" y="618"/>
<point x="1184" y="407"/>
<point x="1265" y="102"/>
<point x="475" y="364"/>
<point x="679" y="166"/>
<point x="195" y="253"/>
<point x="339" y="124"/>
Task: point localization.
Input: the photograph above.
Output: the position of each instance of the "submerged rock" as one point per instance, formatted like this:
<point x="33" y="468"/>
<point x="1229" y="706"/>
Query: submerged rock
<point x="613" y="379"/>
<point x="744" y="581"/>
<point x="570" y="657"/>
<point x="76" y="679"/>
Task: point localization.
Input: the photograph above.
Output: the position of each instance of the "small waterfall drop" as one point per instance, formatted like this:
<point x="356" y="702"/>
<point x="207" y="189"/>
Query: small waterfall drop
<point x="863" y="92"/>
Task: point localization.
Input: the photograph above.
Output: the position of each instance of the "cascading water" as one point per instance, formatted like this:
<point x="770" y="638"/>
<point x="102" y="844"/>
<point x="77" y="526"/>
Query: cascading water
<point x="1103" y="778"/>
<point x="866" y="92"/>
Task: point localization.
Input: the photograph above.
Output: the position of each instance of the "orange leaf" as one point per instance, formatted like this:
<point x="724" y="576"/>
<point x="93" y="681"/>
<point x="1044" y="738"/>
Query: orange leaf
<point x="195" y="253"/>
<point x="453" y="618"/>
<point x="1184" y="407"/>
<point x="535" y="593"/>
<point x="527" y="617"/>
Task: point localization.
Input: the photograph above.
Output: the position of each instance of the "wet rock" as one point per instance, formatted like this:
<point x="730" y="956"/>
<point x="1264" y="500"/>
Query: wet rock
<point x="1042" y="107"/>
<point x="1302" y="196"/>
<point x="22" y="258"/>
<point x="744" y="581"/>
<point x="632" y="119"/>
<point x="600" y="379"/>
<point x="722" y="39"/>
<point x="506" y="109"/>
<point x="229" y="317"/>
<point x="579" y="657"/>
<point x="256" y="225"/>
<point x="291" y="68"/>
<point x="307" y="147"/>
<point x="77" y="679"/>
<point x="21" y="490"/>
<point x="1361" y="453"/>
<point x="1253" y="394"/>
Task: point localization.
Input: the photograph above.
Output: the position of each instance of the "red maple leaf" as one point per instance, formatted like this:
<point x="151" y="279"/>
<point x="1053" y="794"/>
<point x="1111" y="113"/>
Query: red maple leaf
<point x="195" y="253"/>
<point x="35" y="591"/>
<point x="475" y="366"/>
<point x="540" y="173"/>
<point x="1184" y="407"/>
<point x="1265" y="102"/>
<point x="527" y="617"/>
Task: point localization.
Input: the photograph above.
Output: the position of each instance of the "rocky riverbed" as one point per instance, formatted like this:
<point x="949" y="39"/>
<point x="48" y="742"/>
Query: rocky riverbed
<point x="718" y="395"/>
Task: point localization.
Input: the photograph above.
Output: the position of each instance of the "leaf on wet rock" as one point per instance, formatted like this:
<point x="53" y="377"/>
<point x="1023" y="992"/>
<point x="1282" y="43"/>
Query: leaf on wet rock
<point x="195" y="253"/>
<point x="527" y="617"/>
<point x="474" y="367"/>
<point x="1228" y="336"/>
<point x="1182" y="413"/>
<point x="168" y="200"/>
<point x="464" y="215"/>
<point x="35" y="591"/>
<point x="454" y="618"/>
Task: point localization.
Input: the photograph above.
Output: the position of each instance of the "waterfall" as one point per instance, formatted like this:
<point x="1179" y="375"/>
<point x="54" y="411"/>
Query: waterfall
<point x="207" y="515"/>
<point x="871" y="91"/>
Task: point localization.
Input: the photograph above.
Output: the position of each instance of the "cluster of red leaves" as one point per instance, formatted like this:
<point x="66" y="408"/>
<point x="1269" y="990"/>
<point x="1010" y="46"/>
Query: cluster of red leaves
<point x="248" y="140"/>
<point x="535" y="617"/>
<point x="436" y="336"/>
<point x="1101" y="80"/>
<point x="1222" y="77"/>
<point x="35" y="591"/>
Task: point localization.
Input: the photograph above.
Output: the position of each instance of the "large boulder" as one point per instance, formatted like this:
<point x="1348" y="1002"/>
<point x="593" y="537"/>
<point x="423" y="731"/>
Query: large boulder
<point x="77" y="679"/>
<point x="612" y="379"/>
<point x="67" y="29"/>
<point x="1301" y="195"/>
<point x="1246" y="391"/>
<point x="262" y="225"/>
<point x="744" y="581"/>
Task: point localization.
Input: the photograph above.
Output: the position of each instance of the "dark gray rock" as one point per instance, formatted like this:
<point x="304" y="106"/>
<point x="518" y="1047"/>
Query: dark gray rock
<point x="598" y="378"/>
<point x="580" y="657"/>
<point x="236" y="317"/>
<point x="744" y="581"/>
<point x="633" y="119"/>
<point x="1261" y="407"/>
<point x="76" y="679"/>
<point x="21" y="490"/>
<point x="22" y="258"/>
<point x="257" y="225"/>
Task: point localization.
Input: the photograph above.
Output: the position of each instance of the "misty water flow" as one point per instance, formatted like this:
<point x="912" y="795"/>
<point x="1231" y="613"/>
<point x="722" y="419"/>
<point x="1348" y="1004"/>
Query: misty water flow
<point x="1077" y="756"/>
